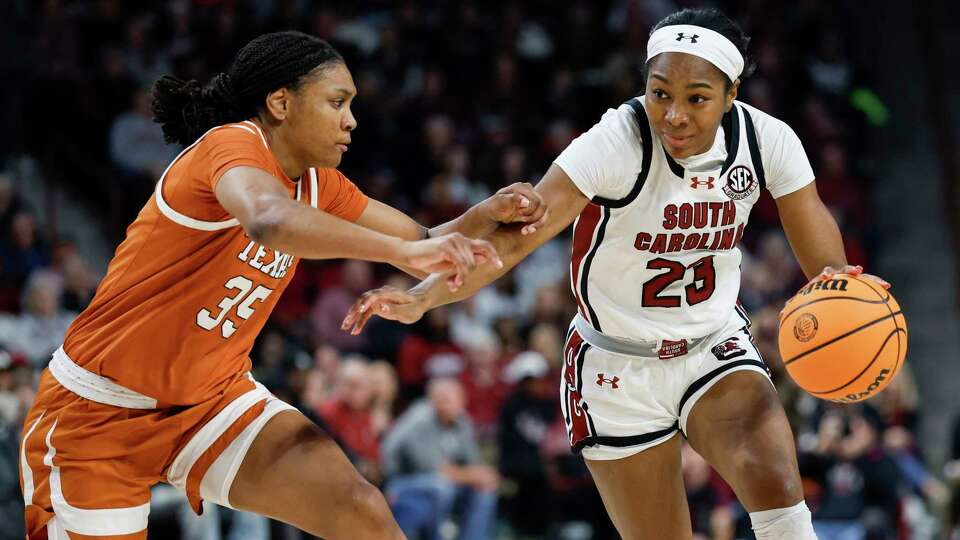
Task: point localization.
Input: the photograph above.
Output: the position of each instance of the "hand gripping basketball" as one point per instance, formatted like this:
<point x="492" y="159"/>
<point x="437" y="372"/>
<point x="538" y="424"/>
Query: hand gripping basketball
<point x="843" y="337"/>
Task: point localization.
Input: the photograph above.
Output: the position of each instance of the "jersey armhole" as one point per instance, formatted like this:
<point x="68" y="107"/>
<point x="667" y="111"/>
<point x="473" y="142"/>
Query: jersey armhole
<point x="197" y="224"/>
<point x="640" y="117"/>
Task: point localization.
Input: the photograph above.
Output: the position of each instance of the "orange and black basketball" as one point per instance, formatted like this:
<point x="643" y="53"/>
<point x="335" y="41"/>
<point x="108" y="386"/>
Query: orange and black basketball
<point x="843" y="339"/>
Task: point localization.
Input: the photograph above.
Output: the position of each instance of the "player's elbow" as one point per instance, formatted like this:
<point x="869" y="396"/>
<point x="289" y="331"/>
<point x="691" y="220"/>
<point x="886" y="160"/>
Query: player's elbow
<point x="266" y="222"/>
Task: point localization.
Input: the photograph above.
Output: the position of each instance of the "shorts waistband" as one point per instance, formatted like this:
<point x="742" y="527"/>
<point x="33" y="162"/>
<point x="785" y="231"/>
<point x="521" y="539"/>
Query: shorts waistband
<point x="622" y="346"/>
<point x="94" y="387"/>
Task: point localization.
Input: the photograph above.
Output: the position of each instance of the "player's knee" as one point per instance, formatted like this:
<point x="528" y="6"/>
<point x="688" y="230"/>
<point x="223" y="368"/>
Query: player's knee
<point x="372" y="512"/>
<point x="776" y="481"/>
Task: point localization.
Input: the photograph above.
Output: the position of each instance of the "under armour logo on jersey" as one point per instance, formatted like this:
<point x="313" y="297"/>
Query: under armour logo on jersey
<point x="613" y="382"/>
<point x="695" y="182"/>
<point x="692" y="39"/>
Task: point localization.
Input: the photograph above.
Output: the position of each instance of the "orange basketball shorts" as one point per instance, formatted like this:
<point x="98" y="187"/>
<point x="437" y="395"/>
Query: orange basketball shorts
<point x="91" y="450"/>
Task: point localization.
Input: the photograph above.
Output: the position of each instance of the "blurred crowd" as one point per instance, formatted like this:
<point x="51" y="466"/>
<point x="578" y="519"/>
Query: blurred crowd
<point x="456" y="416"/>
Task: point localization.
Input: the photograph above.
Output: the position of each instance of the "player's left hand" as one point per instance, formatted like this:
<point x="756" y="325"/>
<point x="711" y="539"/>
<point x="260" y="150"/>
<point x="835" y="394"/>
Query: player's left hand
<point x="386" y="302"/>
<point x="518" y="202"/>
<point x="857" y="271"/>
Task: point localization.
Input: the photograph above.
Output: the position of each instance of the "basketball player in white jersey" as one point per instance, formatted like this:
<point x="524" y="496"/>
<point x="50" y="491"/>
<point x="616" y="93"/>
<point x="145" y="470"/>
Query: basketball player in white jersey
<point x="661" y="189"/>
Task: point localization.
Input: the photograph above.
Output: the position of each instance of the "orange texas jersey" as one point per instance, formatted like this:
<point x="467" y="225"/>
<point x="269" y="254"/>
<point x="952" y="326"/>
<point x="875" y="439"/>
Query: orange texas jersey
<point x="187" y="291"/>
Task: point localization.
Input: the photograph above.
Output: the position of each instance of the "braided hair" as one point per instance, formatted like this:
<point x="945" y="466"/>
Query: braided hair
<point x="186" y="110"/>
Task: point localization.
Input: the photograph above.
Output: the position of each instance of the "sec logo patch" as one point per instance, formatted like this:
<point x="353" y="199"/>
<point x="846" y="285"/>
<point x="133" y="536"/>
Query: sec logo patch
<point x="740" y="183"/>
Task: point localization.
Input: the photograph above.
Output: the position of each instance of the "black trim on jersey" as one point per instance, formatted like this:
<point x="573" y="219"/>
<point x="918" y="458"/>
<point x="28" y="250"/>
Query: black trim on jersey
<point x="743" y="315"/>
<point x="702" y="381"/>
<point x="676" y="168"/>
<point x="731" y="130"/>
<point x="731" y="135"/>
<point x="754" y="150"/>
<point x="587" y="262"/>
<point x="646" y="141"/>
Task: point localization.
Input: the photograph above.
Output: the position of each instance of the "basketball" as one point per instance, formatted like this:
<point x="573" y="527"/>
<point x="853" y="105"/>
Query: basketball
<point x="843" y="339"/>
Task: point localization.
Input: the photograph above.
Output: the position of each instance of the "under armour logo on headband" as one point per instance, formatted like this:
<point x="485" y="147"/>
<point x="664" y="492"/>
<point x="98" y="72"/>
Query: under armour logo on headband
<point x="692" y="39"/>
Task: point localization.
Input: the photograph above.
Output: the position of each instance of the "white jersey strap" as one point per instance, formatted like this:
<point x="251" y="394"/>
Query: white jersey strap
<point x="187" y="221"/>
<point x="314" y="187"/>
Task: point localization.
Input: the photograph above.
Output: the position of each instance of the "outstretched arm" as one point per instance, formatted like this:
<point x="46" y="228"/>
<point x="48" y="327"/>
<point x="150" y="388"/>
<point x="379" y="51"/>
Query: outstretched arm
<point x="517" y="203"/>
<point x="560" y="195"/>
<point x="268" y="216"/>
<point x="814" y="235"/>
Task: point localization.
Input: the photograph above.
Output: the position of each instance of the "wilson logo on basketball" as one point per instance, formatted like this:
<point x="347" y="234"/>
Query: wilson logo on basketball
<point x="851" y="398"/>
<point x="805" y="327"/>
<point x="825" y="285"/>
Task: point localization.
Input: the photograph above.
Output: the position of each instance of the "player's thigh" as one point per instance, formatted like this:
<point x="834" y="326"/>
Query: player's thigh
<point x="644" y="493"/>
<point x="295" y="472"/>
<point x="740" y="428"/>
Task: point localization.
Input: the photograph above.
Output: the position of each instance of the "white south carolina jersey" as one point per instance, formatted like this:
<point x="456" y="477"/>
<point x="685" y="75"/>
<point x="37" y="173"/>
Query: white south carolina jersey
<point x="655" y="253"/>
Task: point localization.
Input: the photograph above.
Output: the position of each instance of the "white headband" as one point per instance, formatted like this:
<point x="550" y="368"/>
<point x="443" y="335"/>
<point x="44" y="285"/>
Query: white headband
<point x="698" y="41"/>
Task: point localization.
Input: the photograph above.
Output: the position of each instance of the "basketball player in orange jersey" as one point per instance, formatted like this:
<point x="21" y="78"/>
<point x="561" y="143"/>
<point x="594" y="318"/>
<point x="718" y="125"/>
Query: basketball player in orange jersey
<point x="152" y="382"/>
<point x="661" y="189"/>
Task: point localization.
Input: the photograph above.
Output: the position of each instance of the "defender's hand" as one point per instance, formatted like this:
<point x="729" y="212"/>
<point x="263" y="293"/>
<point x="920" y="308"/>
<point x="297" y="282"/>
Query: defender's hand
<point x="515" y="203"/>
<point x="452" y="254"/>
<point x="386" y="302"/>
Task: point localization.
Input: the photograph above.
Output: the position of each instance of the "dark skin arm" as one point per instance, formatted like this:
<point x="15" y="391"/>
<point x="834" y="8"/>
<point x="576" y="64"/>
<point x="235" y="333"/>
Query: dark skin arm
<point x="814" y="235"/>
<point x="269" y="216"/>
<point x="559" y="193"/>
<point x="517" y="203"/>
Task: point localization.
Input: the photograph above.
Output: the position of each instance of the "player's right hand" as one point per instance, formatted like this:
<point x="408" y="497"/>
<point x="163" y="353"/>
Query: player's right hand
<point x="453" y="254"/>
<point x="386" y="302"/>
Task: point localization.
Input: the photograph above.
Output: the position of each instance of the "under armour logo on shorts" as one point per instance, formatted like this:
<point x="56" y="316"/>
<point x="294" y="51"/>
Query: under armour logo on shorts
<point x="692" y="39"/>
<point x="613" y="382"/>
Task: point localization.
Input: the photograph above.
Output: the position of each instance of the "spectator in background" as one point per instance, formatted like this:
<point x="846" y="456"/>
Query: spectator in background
<point x="524" y="419"/>
<point x="858" y="483"/>
<point x="40" y="328"/>
<point x="137" y="147"/>
<point x="710" y="500"/>
<point x="428" y="343"/>
<point x="349" y="416"/>
<point x="139" y="154"/>
<point x="951" y="471"/>
<point x="16" y="393"/>
<point x="79" y="283"/>
<point x="327" y="313"/>
<point x="22" y="250"/>
<point x="10" y="203"/>
<point x="383" y="378"/>
<point x="897" y="406"/>
<point x="483" y="382"/>
<point x="432" y="464"/>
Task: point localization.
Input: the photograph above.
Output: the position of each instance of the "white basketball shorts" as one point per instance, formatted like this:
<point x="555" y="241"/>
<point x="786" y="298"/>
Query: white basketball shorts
<point x="621" y="397"/>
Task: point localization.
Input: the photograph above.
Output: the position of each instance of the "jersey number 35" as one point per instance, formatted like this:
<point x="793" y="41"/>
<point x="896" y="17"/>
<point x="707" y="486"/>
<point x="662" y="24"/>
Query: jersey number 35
<point x="244" y="297"/>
